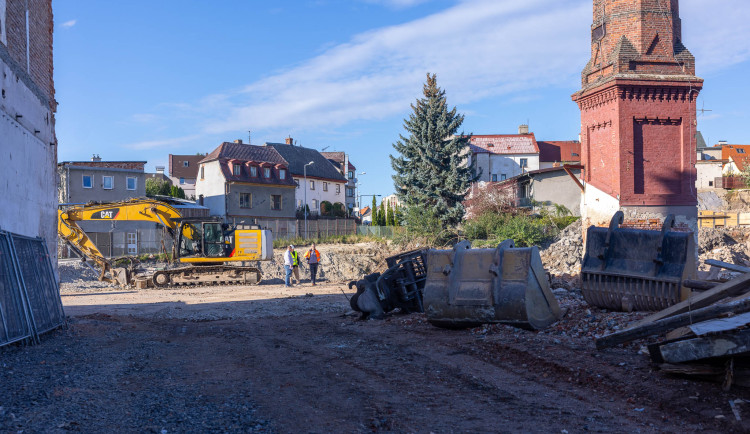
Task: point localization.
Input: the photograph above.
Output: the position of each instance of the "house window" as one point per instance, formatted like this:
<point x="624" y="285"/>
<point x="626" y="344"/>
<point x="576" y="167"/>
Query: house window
<point x="350" y="175"/>
<point x="349" y="192"/>
<point x="338" y="188"/>
<point x="312" y="185"/>
<point x="575" y="154"/>
<point x="185" y="164"/>
<point x="87" y="183"/>
<point x="182" y="181"/>
<point x="246" y="200"/>
<point x="267" y="172"/>
<point x="296" y="183"/>
<point x="315" y="204"/>
<point x="108" y="182"/>
<point x="710" y="183"/>
<point x="325" y="186"/>
<point x="740" y="151"/>
<point x="236" y="169"/>
<point x="502" y="177"/>
<point x="276" y="201"/>
<point x="299" y="203"/>
<point x="282" y="174"/>
<point x="524" y="162"/>
<point x="132" y="183"/>
<point x="203" y="172"/>
<point x="253" y="171"/>
<point x="494" y="177"/>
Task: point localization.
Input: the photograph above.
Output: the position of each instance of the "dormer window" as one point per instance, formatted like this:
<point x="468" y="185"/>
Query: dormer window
<point x="490" y="145"/>
<point x="740" y="151"/>
<point x="282" y="173"/>
<point x="253" y="171"/>
<point x="575" y="154"/>
<point x="185" y="164"/>
<point x="267" y="172"/>
<point x="236" y="169"/>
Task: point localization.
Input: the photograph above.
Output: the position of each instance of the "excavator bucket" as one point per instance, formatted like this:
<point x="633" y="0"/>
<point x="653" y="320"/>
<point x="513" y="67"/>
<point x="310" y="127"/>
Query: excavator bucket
<point x="468" y="287"/>
<point x="121" y="276"/>
<point x="635" y="269"/>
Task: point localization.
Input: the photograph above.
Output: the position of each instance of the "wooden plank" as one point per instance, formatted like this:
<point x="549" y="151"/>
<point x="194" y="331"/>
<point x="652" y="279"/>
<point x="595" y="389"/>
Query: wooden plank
<point x="666" y="324"/>
<point x="731" y="288"/>
<point x="726" y="344"/>
<point x="727" y="265"/>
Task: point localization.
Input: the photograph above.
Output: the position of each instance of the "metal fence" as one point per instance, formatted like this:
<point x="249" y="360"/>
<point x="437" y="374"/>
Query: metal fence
<point x="379" y="231"/>
<point x="125" y="243"/>
<point x="30" y="301"/>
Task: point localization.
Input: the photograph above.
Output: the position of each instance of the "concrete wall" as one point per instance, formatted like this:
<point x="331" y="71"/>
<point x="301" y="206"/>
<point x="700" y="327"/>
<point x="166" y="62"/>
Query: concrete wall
<point x="260" y="201"/>
<point x="508" y="165"/>
<point x="28" y="151"/>
<point x="212" y="187"/>
<point x="708" y="171"/>
<point x="318" y="194"/>
<point x="557" y="188"/>
<point x="72" y="190"/>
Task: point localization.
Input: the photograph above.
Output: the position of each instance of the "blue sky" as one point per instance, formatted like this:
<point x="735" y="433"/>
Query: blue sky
<point x="139" y="80"/>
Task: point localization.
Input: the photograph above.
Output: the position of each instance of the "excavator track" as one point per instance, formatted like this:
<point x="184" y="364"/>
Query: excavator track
<point x="207" y="275"/>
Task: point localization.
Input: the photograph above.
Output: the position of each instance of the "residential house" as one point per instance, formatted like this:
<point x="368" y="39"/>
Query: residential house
<point x="502" y="156"/>
<point x="709" y="153"/>
<point x="548" y="187"/>
<point x="28" y="147"/>
<point x="737" y="158"/>
<point x="82" y="182"/>
<point x="558" y="153"/>
<point x="323" y="181"/>
<point x="183" y="171"/>
<point x="708" y="174"/>
<point x="341" y="161"/>
<point x="246" y="184"/>
<point x="365" y="215"/>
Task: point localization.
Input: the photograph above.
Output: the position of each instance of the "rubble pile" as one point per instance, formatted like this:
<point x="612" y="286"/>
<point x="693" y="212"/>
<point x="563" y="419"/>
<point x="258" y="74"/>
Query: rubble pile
<point x="724" y="244"/>
<point x="563" y="256"/>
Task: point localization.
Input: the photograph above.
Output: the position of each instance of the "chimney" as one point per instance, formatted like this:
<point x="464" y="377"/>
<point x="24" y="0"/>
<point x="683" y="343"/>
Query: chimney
<point x="160" y="170"/>
<point x="200" y="199"/>
<point x="96" y="158"/>
<point x="722" y="143"/>
<point x="239" y="141"/>
<point x="289" y="141"/>
<point x="523" y="129"/>
<point x="346" y="166"/>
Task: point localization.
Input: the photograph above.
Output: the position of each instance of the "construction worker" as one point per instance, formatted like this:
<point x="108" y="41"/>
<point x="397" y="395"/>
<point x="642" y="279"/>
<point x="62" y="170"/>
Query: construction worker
<point x="288" y="266"/>
<point x="313" y="259"/>
<point x="295" y="265"/>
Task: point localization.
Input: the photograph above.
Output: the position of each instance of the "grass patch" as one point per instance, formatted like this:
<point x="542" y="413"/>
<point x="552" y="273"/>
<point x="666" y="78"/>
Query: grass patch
<point x="332" y="239"/>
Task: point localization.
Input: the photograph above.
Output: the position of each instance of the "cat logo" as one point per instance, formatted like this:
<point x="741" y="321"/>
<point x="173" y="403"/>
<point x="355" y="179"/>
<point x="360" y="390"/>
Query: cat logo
<point x="107" y="214"/>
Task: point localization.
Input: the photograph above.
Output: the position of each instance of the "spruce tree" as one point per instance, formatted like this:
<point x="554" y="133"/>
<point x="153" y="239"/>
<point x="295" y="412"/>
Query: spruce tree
<point x="374" y="212"/>
<point x="431" y="167"/>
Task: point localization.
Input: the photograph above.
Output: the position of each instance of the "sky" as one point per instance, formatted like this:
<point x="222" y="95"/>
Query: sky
<point x="142" y="79"/>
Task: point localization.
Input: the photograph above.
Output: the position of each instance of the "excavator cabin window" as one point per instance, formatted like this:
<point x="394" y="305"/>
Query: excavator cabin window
<point x="202" y="239"/>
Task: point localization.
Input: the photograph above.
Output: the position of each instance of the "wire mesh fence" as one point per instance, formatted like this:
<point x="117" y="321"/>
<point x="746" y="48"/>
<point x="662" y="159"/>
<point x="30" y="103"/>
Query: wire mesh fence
<point x="30" y="301"/>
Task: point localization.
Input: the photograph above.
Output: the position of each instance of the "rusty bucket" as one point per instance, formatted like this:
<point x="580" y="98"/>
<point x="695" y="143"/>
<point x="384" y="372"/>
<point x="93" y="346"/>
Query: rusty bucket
<point x="467" y="287"/>
<point x="636" y="269"/>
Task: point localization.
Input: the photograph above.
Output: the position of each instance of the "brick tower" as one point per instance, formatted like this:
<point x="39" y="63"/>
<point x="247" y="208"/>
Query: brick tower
<point x="638" y="118"/>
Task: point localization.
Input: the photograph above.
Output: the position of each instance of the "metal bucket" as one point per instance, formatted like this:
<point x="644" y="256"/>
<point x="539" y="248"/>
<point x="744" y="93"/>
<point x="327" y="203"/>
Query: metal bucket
<point x="636" y="269"/>
<point x="468" y="287"/>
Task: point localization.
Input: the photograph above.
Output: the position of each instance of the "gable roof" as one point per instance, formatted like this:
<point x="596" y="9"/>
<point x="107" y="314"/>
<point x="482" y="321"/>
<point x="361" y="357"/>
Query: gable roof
<point x="504" y="144"/>
<point x="337" y="159"/>
<point x="297" y="156"/>
<point x="739" y="154"/>
<point x="177" y="167"/>
<point x="559" y="151"/>
<point x="240" y="151"/>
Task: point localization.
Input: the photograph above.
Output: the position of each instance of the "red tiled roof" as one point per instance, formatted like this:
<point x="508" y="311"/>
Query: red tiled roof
<point x="559" y="151"/>
<point x="504" y="144"/>
<point x="247" y="155"/>
<point x="240" y="151"/>
<point x="740" y="155"/>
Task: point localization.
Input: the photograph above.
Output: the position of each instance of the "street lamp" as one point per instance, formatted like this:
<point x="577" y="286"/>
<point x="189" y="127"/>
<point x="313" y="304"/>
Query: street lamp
<point x="356" y="187"/>
<point x="304" y="172"/>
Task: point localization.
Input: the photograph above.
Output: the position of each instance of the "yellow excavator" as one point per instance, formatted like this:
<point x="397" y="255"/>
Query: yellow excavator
<point x="208" y="251"/>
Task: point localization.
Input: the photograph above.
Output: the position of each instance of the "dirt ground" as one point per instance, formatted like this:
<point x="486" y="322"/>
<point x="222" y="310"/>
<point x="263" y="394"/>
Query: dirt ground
<point x="269" y="359"/>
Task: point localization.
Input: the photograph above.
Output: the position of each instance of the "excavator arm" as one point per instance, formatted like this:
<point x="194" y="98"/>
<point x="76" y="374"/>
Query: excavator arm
<point x="146" y="210"/>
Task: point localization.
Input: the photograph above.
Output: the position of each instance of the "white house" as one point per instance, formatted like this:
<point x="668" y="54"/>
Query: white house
<point x="502" y="156"/>
<point x="323" y="181"/>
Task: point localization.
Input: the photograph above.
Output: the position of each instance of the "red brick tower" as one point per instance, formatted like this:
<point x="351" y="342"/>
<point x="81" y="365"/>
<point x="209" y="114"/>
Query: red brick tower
<point x="638" y="118"/>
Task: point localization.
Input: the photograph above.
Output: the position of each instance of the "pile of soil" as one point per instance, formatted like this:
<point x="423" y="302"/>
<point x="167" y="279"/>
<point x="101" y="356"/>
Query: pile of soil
<point x="724" y="244"/>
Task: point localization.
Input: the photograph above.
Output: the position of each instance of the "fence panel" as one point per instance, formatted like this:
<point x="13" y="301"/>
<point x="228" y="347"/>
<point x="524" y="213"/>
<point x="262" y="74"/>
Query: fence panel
<point x="14" y="322"/>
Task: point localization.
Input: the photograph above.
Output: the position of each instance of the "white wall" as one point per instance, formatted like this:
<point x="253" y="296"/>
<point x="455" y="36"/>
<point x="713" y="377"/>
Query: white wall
<point x="707" y="172"/>
<point x="318" y="194"/>
<point x="212" y="188"/>
<point x="28" y="179"/>
<point x="508" y="165"/>
<point x="188" y="187"/>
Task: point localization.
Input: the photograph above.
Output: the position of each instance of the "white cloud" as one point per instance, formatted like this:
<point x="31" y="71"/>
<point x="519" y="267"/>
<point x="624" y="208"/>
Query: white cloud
<point x="163" y="143"/>
<point x="397" y="4"/>
<point x="68" y="24"/>
<point x="479" y="49"/>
